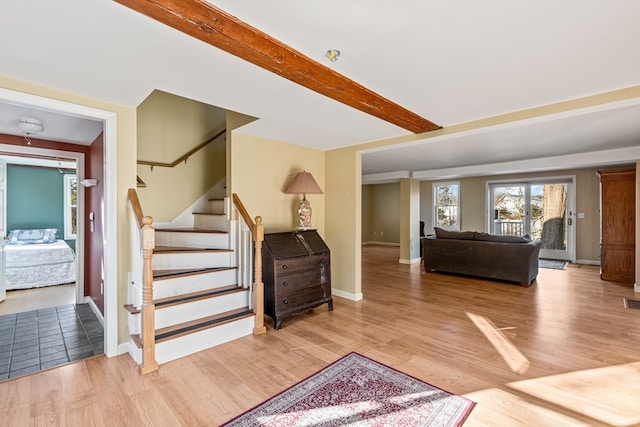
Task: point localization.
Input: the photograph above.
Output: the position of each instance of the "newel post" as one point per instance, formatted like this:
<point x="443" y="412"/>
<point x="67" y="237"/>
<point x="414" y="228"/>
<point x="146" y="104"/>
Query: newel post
<point x="148" y="309"/>
<point x="258" y="285"/>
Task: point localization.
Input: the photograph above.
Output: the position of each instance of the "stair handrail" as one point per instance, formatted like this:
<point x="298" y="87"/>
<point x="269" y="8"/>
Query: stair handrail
<point x="185" y="156"/>
<point x="257" y="231"/>
<point x="147" y="244"/>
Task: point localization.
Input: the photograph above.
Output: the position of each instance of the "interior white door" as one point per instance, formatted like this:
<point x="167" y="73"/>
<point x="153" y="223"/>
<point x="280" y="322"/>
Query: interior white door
<point x="3" y="226"/>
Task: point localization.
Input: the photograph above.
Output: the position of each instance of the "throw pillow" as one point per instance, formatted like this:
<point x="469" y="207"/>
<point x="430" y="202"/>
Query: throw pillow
<point x="32" y="236"/>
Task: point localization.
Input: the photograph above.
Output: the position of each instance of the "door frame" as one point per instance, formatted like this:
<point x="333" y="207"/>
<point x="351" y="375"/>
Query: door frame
<point x="570" y="180"/>
<point x="109" y="120"/>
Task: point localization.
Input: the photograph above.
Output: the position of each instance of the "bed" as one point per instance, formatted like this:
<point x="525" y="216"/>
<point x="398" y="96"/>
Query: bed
<point x="35" y="258"/>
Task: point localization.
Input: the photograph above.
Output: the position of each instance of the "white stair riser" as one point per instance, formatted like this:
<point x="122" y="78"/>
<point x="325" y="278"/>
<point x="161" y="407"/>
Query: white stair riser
<point x="194" y="283"/>
<point x="191" y="343"/>
<point x="163" y="261"/>
<point x="169" y="316"/>
<point x="211" y="222"/>
<point x="187" y="312"/>
<point x="192" y="240"/>
<point x="216" y="206"/>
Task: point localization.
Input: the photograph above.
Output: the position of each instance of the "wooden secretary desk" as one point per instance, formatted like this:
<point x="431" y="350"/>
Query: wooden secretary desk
<point x="296" y="273"/>
<point x="617" y="224"/>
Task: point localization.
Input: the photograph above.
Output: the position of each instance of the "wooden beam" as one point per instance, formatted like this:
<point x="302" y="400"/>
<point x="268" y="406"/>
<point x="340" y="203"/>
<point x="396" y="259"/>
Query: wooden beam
<point x="202" y="20"/>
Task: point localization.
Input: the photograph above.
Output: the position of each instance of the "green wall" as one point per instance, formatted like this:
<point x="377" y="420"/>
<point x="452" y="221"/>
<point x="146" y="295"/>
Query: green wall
<point x="35" y="199"/>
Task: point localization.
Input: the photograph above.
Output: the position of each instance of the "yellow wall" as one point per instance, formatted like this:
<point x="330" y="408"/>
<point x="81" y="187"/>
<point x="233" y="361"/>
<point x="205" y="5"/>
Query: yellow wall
<point x="169" y="126"/>
<point x="126" y="178"/>
<point x="382" y="213"/>
<point x="261" y="170"/>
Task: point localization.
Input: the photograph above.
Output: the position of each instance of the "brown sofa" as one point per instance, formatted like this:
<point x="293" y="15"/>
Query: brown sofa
<point x="508" y="258"/>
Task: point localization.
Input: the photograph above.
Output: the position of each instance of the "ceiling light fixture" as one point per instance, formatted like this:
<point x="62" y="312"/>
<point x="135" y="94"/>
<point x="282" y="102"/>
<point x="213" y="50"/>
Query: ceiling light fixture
<point x="30" y="126"/>
<point x="332" y="54"/>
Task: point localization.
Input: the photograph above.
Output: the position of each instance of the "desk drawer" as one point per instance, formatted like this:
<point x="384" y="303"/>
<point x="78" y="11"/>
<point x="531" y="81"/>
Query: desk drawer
<point x="295" y="301"/>
<point x="288" y="265"/>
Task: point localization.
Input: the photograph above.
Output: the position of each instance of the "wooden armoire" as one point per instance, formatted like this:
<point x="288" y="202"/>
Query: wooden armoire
<point x="618" y="225"/>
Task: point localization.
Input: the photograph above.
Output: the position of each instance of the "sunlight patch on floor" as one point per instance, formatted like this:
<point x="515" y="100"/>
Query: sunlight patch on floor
<point x="610" y="394"/>
<point x="511" y="355"/>
<point x="494" y="405"/>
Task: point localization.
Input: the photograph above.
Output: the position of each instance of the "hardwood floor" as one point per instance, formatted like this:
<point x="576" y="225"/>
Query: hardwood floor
<point x="563" y="352"/>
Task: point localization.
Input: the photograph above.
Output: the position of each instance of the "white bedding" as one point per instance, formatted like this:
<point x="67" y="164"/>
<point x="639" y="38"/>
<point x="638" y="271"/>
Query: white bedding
<point x="37" y="265"/>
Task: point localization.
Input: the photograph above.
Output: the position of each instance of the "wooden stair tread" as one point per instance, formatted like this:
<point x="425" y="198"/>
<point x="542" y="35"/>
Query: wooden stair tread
<point x="175" y="249"/>
<point x="188" y="297"/>
<point x="182" y="272"/>
<point x="181" y="329"/>
<point x="192" y="230"/>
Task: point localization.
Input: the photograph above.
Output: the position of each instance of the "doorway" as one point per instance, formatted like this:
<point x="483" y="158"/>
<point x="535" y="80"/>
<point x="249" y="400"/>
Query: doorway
<point x="109" y="243"/>
<point x="542" y="209"/>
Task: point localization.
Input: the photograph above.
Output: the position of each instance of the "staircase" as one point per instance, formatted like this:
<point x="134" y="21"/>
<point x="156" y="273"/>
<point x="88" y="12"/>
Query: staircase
<point x="201" y="296"/>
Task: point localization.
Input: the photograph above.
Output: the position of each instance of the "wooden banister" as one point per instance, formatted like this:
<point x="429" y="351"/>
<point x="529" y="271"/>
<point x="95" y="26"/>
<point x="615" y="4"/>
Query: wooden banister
<point x="135" y="205"/>
<point x="243" y="212"/>
<point x="257" y="231"/>
<point x="185" y="156"/>
<point x="147" y="329"/>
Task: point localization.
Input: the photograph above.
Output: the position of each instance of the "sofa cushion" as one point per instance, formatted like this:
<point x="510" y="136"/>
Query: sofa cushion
<point x="504" y="239"/>
<point x="441" y="233"/>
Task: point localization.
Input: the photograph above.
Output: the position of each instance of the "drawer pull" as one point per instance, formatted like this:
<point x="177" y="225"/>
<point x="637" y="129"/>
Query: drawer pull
<point x="286" y="301"/>
<point x="284" y="267"/>
<point x="324" y="293"/>
<point x="285" y="283"/>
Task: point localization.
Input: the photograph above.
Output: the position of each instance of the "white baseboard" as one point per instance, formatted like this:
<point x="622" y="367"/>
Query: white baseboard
<point x="636" y="288"/>
<point x="587" y="262"/>
<point x="410" y="261"/>
<point x="123" y="348"/>
<point x="95" y="310"/>
<point x="347" y="295"/>
<point x="380" y="243"/>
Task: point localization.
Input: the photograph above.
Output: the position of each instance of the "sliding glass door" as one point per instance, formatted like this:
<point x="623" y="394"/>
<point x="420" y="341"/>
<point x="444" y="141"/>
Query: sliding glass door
<point x="539" y="209"/>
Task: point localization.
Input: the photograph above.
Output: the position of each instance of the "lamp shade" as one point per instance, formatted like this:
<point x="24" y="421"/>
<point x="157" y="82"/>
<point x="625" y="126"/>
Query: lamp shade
<point x="304" y="183"/>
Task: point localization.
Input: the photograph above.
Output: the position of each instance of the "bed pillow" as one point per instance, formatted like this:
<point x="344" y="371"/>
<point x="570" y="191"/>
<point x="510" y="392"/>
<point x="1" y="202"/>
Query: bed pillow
<point x="32" y="236"/>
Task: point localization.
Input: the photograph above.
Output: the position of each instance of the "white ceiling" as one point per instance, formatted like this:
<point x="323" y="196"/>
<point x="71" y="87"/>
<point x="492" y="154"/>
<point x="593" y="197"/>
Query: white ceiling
<point x="451" y="62"/>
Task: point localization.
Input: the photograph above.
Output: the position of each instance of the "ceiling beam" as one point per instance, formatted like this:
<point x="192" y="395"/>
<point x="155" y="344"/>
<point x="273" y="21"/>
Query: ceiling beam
<point x="202" y="20"/>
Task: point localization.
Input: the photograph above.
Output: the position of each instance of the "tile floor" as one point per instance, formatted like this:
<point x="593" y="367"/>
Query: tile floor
<point x="41" y="339"/>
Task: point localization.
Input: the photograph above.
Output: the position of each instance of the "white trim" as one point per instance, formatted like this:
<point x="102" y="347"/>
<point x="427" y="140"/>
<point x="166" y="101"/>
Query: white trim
<point x="346" y="295"/>
<point x="587" y="262"/>
<point x="67" y="178"/>
<point x="385" y="178"/>
<point x="109" y="119"/>
<point x="434" y="202"/>
<point x="410" y="261"/>
<point x="95" y="309"/>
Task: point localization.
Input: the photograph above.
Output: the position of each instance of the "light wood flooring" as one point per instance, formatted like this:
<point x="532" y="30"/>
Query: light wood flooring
<point x="21" y="300"/>
<point x="564" y="352"/>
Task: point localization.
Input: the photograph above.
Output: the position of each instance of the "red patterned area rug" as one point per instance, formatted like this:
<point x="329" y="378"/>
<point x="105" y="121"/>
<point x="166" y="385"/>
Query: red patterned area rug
<point x="358" y="391"/>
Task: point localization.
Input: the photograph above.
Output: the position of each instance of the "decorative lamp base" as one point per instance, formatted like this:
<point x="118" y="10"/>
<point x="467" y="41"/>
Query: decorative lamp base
<point x="304" y="214"/>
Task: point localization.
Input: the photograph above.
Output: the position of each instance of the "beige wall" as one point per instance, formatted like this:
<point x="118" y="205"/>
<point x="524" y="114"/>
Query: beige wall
<point x="261" y="170"/>
<point x="382" y="213"/>
<point x="170" y="126"/>
<point x="126" y="178"/>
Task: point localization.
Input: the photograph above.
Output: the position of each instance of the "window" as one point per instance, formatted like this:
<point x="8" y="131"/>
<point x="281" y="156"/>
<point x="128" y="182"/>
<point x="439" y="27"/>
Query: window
<point x="446" y="205"/>
<point x="70" y="206"/>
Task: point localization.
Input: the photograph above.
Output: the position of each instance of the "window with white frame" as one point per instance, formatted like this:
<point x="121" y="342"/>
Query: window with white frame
<point x="446" y="205"/>
<point x="70" y="206"/>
